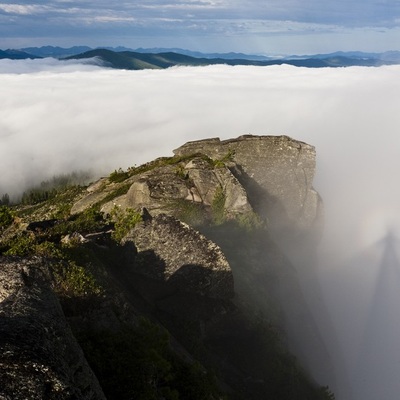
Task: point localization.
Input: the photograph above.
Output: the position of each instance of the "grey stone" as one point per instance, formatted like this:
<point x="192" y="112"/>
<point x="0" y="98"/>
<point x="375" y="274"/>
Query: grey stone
<point x="276" y="171"/>
<point x="169" y="250"/>
<point x="39" y="356"/>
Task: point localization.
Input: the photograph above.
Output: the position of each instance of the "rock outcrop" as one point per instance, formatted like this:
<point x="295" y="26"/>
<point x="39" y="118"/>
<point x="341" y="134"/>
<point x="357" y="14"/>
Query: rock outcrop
<point x="276" y="171"/>
<point x="163" y="189"/>
<point x="39" y="356"/>
<point x="210" y="253"/>
<point x="166" y="249"/>
<point x="269" y="175"/>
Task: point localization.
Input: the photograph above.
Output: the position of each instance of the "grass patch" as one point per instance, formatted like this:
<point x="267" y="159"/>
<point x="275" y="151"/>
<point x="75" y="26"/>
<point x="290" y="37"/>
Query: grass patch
<point x="6" y="217"/>
<point x="218" y="206"/>
<point x="120" y="191"/>
<point x="124" y="221"/>
<point x="190" y="212"/>
<point x="118" y="176"/>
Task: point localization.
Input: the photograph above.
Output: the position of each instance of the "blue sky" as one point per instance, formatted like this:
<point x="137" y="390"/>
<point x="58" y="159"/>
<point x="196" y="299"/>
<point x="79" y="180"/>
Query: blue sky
<point x="269" y="27"/>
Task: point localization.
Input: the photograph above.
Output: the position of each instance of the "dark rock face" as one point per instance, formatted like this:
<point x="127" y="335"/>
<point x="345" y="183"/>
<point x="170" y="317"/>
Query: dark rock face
<point x="169" y="250"/>
<point x="39" y="357"/>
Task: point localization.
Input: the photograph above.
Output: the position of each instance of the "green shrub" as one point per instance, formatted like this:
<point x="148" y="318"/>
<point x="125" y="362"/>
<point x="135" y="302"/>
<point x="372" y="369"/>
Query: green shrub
<point x="118" y="176"/>
<point x="5" y="199"/>
<point x="218" y="206"/>
<point x="189" y="211"/>
<point x="181" y="173"/>
<point x="124" y="221"/>
<point x="162" y="161"/>
<point x="63" y="211"/>
<point x="73" y="280"/>
<point x="48" y="249"/>
<point x="89" y="220"/>
<point x="6" y="217"/>
<point x="221" y="162"/>
<point x="249" y="221"/>
<point x="49" y="189"/>
<point x="20" y="245"/>
<point x="326" y="393"/>
<point x="121" y="190"/>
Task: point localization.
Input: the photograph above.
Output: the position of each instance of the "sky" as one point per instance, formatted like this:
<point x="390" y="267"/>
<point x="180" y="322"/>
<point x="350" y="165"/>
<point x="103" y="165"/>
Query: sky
<point x="271" y="27"/>
<point x="57" y="117"/>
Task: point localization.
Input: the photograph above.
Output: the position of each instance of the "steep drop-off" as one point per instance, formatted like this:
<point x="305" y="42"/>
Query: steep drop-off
<point x="174" y="278"/>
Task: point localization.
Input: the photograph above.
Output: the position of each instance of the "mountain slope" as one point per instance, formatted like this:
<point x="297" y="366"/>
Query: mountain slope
<point x="124" y="58"/>
<point x="16" y="55"/>
<point x="135" y="60"/>
<point x="55" y="51"/>
<point x="173" y="275"/>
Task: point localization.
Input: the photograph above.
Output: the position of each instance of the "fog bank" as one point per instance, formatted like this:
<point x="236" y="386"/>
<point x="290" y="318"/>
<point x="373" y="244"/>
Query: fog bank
<point x="57" y="117"/>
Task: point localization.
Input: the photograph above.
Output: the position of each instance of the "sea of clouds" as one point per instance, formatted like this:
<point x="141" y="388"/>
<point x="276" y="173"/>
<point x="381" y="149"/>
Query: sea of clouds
<point x="57" y="117"/>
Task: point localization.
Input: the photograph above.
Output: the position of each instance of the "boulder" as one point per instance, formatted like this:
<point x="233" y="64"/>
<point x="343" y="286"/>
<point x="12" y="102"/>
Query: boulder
<point x="169" y="250"/>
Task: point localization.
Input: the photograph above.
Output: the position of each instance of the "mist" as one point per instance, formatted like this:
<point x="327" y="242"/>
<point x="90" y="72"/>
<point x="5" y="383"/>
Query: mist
<point x="57" y="117"/>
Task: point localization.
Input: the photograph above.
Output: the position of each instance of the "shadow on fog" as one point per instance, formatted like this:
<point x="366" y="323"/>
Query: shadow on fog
<point x="364" y="300"/>
<point x="378" y="368"/>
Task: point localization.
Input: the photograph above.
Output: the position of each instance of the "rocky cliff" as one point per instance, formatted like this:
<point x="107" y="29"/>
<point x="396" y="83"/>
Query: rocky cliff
<point x="276" y="171"/>
<point x="198" y="245"/>
<point x="39" y="356"/>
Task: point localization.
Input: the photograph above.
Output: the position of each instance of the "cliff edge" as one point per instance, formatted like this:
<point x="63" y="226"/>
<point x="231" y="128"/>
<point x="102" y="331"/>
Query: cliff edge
<point x="164" y="273"/>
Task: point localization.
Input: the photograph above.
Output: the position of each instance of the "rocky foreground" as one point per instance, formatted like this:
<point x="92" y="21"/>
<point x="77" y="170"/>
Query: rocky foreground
<point x="168" y="281"/>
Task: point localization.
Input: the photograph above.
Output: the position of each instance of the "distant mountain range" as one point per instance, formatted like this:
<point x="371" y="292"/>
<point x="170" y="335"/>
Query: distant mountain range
<point x="16" y="54"/>
<point x="156" y="58"/>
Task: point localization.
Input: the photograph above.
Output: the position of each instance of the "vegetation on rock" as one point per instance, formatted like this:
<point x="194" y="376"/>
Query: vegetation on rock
<point x="124" y="221"/>
<point x="149" y="339"/>
<point x="218" y="206"/>
<point x="6" y="217"/>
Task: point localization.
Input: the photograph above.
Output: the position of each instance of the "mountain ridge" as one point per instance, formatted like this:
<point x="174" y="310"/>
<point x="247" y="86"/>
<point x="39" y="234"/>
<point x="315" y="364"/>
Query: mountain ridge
<point x="125" y="58"/>
<point x="175" y="269"/>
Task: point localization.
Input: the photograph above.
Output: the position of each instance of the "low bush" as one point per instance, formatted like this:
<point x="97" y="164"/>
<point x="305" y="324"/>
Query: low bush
<point x="72" y="280"/>
<point x="6" y="217"/>
<point x="118" y="176"/>
<point x="218" y="206"/>
<point x="124" y="221"/>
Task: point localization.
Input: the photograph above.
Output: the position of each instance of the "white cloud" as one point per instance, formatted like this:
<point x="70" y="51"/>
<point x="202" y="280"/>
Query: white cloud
<point x="183" y="5"/>
<point x="22" y="9"/>
<point x="57" y="117"/>
<point x="46" y="66"/>
<point x="97" y="112"/>
<point x="105" y="19"/>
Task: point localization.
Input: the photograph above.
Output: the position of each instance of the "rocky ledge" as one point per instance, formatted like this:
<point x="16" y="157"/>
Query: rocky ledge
<point x="268" y="175"/>
<point x="193" y="243"/>
<point x="258" y="163"/>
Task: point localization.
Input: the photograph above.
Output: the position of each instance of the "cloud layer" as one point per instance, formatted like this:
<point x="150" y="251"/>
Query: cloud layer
<point x="66" y="116"/>
<point x="58" y="117"/>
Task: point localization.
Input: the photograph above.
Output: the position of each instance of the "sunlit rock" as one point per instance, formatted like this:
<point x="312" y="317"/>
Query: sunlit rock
<point x="276" y="171"/>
